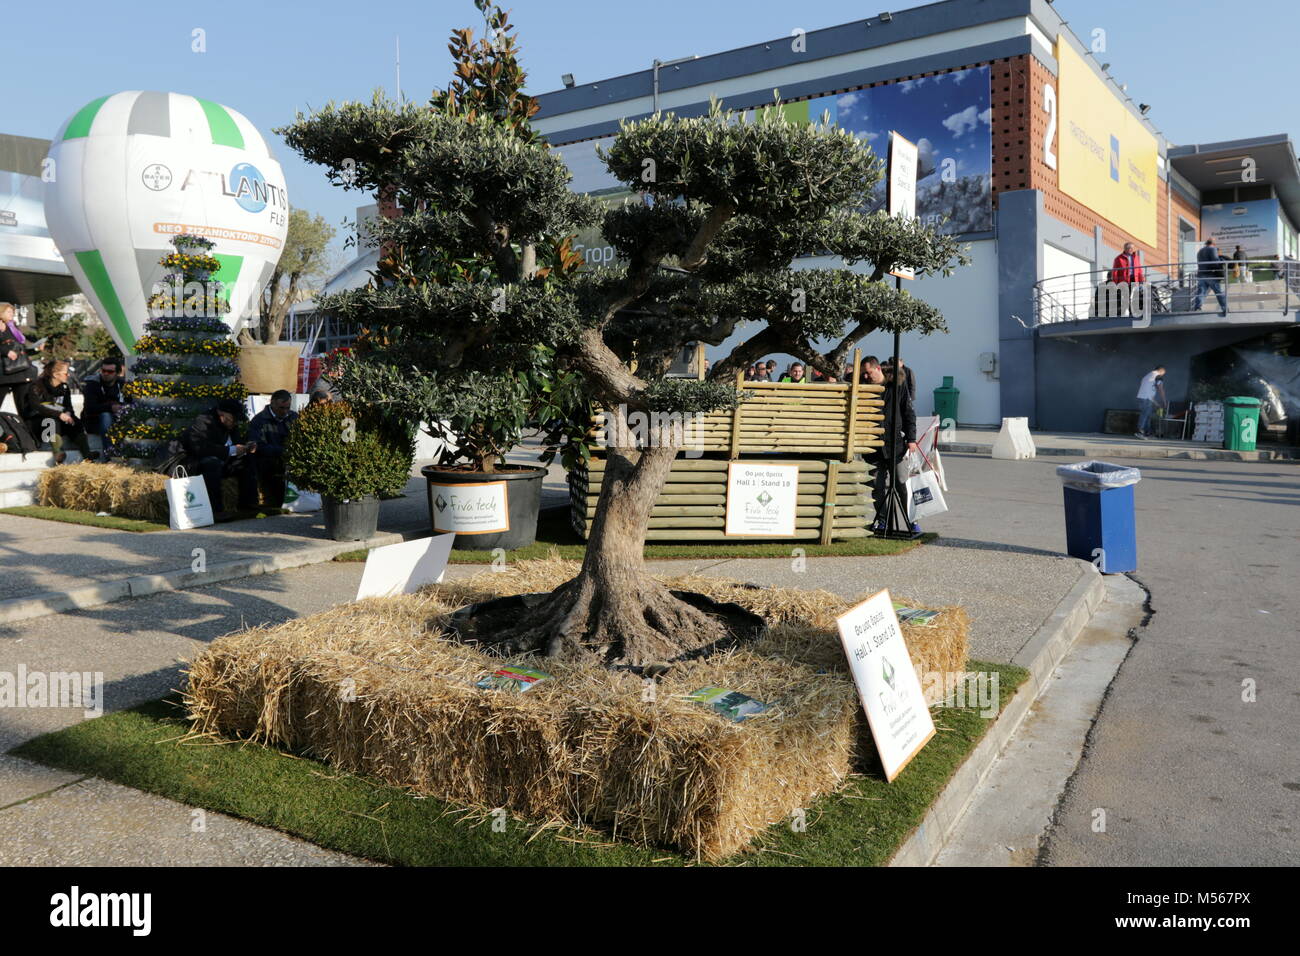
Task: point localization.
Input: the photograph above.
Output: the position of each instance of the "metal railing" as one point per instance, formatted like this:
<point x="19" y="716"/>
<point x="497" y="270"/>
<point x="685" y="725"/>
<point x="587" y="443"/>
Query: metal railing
<point x="1178" y="288"/>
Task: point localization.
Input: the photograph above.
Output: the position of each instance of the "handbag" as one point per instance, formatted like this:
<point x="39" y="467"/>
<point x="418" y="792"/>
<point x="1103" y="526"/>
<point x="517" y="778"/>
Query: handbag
<point x="8" y="366"/>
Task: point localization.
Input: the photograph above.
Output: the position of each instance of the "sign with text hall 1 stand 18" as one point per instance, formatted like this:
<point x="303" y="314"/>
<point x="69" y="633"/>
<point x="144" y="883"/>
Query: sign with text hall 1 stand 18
<point x="761" y="499"/>
<point x="901" y="196"/>
<point x="886" y="681"/>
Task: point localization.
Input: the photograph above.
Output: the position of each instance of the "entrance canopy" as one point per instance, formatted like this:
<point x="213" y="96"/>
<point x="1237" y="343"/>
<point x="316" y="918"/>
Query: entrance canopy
<point x="31" y="268"/>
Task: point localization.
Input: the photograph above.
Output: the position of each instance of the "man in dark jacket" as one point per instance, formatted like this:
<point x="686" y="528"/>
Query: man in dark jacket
<point x="268" y="431"/>
<point x="1209" y="275"/>
<point x="211" y="450"/>
<point x="900" y="421"/>
<point x="104" y="398"/>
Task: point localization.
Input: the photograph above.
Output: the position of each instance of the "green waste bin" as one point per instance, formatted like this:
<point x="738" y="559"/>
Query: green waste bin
<point x="1240" y="422"/>
<point x="945" y="401"/>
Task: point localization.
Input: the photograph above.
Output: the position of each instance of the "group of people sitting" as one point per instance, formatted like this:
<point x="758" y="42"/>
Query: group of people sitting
<point x="211" y="449"/>
<point x="43" y="400"/>
<point x="44" y="406"/>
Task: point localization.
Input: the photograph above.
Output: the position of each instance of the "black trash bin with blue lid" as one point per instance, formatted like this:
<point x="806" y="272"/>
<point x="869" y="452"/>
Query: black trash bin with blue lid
<point x="1099" y="521"/>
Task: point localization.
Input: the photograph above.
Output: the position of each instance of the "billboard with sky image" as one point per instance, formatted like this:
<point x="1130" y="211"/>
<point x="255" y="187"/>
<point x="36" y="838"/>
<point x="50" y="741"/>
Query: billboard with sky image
<point x="949" y="117"/>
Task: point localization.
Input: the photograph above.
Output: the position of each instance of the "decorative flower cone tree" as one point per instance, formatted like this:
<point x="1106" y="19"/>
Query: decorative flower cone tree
<point x="478" y="282"/>
<point x="186" y="359"/>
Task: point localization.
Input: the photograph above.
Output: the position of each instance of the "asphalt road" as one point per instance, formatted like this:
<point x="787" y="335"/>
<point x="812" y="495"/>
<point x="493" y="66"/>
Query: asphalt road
<point x="1182" y="767"/>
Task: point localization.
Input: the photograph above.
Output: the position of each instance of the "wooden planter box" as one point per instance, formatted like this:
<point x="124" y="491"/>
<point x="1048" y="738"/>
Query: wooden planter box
<point x="834" y="421"/>
<point x="833" y="503"/>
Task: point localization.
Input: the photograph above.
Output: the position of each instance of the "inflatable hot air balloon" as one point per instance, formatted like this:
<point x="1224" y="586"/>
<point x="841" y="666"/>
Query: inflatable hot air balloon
<point x="134" y="169"/>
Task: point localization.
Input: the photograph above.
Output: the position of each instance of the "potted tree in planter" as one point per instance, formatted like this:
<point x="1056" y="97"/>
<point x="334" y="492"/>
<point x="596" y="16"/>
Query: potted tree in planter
<point x="352" y="460"/>
<point x="461" y="358"/>
<point x="480" y="417"/>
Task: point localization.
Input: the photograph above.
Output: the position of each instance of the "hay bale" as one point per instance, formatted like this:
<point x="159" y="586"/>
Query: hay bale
<point x="97" y="486"/>
<point x="374" y="688"/>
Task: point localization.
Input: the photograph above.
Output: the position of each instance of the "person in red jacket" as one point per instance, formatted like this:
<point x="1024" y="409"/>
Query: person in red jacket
<point x="1127" y="266"/>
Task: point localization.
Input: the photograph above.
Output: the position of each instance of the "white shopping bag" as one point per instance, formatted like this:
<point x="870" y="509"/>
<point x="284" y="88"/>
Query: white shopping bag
<point x="928" y="443"/>
<point x="909" y="465"/>
<point x="299" y="502"/>
<point x="924" y="497"/>
<point x="187" y="502"/>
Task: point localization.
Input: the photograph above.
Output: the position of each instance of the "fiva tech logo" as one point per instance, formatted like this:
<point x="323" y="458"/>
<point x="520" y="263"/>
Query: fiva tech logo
<point x="1114" y="158"/>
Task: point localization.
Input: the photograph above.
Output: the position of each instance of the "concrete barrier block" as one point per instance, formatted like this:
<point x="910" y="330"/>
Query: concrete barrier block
<point x="1013" y="441"/>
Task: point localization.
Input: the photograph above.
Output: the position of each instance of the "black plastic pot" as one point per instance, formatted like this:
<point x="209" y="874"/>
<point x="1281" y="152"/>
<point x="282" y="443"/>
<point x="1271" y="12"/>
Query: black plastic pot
<point x="355" y="520"/>
<point x="523" y="491"/>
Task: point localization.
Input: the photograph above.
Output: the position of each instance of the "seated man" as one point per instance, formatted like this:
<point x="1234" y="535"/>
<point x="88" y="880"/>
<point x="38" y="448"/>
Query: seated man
<point x="105" y="398"/>
<point x="268" y="431"/>
<point x="210" y="450"/>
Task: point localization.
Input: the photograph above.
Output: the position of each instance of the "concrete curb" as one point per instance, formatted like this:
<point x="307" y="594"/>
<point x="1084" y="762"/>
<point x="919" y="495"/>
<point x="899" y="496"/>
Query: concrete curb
<point x="1135" y="451"/>
<point x="1039" y="656"/>
<point x="141" y="585"/>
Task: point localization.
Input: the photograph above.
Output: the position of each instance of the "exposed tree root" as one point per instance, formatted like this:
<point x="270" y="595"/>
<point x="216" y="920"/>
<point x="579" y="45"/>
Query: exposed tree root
<point x="638" y="625"/>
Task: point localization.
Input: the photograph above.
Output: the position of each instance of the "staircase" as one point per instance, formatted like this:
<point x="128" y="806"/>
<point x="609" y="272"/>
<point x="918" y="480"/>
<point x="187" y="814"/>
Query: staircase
<point x="18" y="474"/>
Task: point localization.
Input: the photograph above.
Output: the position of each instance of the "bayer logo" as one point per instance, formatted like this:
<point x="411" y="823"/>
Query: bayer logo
<point x="249" y="187"/>
<point x="157" y="177"/>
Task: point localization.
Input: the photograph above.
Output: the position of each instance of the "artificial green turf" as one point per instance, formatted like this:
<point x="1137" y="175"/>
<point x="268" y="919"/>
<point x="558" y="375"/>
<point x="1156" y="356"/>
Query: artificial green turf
<point x="70" y="516"/>
<point x="861" y="825"/>
<point x="555" y="533"/>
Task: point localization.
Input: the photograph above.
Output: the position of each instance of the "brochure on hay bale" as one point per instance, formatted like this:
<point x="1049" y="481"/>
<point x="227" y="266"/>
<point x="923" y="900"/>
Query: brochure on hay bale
<point x="886" y="680"/>
<point x="915" y="616"/>
<point x="515" y="679"/>
<point x="729" y="703"/>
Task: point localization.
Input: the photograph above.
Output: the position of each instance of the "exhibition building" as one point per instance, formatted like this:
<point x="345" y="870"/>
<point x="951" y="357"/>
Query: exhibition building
<point x="1045" y="166"/>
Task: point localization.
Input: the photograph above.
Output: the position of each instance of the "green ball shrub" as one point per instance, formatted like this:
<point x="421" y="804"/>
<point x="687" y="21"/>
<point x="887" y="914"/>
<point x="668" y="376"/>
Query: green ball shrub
<point x="345" y="455"/>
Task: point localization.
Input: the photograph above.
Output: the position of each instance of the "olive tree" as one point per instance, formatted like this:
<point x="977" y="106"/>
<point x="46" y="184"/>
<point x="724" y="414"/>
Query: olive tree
<point x="730" y="205"/>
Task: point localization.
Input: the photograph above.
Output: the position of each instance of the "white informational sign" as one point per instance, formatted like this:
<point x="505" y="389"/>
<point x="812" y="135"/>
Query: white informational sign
<point x="901" y="197"/>
<point x="404" y="568"/>
<point x="129" y="171"/>
<point x="482" y="507"/>
<point x="886" y="681"/>
<point x="761" y="499"/>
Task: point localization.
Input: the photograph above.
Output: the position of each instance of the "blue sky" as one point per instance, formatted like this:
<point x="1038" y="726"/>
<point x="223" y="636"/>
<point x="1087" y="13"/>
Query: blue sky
<point x="1210" y="70"/>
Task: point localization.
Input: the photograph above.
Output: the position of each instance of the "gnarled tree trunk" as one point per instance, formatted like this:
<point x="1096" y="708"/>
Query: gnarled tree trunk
<point x="614" y="610"/>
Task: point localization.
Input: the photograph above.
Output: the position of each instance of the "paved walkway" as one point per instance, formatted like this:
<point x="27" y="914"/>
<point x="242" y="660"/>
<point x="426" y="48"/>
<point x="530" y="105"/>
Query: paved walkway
<point x="139" y="646"/>
<point x="53" y="566"/>
<point x="1083" y="445"/>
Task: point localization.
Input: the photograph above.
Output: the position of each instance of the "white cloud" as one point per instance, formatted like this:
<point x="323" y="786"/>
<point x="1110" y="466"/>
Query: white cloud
<point x="907" y="85"/>
<point x="848" y="100"/>
<point x="987" y="117"/>
<point x="959" y="76"/>
<point x="963" y="122"/>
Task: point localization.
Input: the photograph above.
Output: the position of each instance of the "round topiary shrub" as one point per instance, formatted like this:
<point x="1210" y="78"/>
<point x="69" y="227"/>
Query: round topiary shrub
<point x="346" y="455"/>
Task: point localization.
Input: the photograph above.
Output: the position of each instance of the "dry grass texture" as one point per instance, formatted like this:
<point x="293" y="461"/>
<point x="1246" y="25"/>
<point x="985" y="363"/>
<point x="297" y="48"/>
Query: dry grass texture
<point x="91" y="486"/>
<point x="372" y="688"/>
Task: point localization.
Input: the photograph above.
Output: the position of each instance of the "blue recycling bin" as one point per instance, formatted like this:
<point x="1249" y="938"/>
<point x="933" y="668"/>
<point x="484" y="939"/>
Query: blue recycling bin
<point x="1099" y="522"/>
